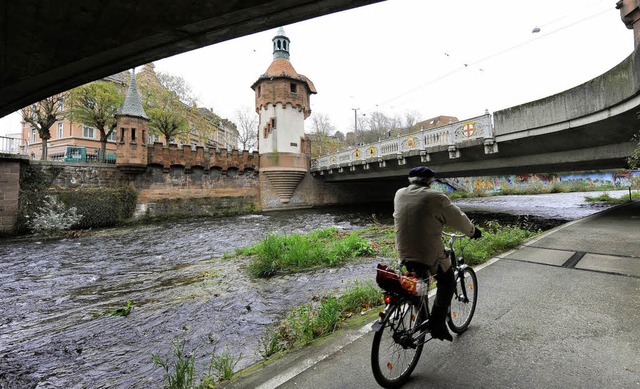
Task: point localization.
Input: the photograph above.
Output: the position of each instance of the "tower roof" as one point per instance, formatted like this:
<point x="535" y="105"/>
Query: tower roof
<point x="132" y="105"/>
<point x="281" y="67"/>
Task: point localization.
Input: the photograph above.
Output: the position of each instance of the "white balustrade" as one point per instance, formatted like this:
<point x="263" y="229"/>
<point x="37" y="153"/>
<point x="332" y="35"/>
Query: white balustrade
<point x="449" y="135"/>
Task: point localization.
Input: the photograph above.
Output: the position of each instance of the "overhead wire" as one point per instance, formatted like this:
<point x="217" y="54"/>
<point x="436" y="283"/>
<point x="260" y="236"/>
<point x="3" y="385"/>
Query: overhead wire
<point x="467" y="65"/>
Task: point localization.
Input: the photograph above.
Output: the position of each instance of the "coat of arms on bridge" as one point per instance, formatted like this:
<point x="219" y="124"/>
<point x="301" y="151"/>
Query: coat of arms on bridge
<point x="468" y="130"/>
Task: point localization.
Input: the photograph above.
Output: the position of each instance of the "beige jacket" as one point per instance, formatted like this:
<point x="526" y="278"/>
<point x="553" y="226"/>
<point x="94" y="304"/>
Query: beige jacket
<point x="420" y="214"/>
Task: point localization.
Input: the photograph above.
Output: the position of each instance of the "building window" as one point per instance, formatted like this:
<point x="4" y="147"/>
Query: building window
<point x="60" y="104"/>
<point x="34" y="135"/>
<point x="113" y="136"/>
<point x="88" y="132"/>
<point x="60" y="130"/>
<point x="133" y="135"/>
<point x="294" y="88"/>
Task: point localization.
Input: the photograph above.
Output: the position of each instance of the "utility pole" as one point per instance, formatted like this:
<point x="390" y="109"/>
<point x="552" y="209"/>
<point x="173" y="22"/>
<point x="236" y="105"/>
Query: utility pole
<point x="355" y="118"/>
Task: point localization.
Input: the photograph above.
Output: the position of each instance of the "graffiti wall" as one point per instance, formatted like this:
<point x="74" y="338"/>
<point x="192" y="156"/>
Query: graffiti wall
<point x="534" y="182"/>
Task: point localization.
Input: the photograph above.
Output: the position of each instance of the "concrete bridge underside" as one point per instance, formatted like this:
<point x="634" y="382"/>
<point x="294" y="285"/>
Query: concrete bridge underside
<point x="49" y="46"/>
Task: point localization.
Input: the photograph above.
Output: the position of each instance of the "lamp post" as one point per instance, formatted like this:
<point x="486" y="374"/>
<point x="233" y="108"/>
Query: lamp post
<point x="355" y="118"/>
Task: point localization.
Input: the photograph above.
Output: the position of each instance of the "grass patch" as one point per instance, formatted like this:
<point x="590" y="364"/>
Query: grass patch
<point x="327" y="247"/>
<point x="495" y="239"/>
<point x="310" y="321"/>
<point x="123" y="311"/>
<point x="607" y="199"/>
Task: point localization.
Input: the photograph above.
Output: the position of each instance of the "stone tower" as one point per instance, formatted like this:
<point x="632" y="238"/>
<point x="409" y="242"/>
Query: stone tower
<point x="282" y="103"/>
<point x="132" y="131"/>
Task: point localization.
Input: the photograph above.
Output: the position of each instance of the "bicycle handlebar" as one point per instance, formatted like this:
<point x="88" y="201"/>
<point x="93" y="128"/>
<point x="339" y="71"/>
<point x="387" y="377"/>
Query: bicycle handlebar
<point x="454" y="235"/>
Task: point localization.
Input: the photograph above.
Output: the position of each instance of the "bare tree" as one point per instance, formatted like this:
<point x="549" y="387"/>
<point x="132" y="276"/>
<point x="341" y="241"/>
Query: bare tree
<point x="411" y="118"/>
<point x="41" y="116"/>
<point x="321" y="124"/>
<point x="247" y="127"/>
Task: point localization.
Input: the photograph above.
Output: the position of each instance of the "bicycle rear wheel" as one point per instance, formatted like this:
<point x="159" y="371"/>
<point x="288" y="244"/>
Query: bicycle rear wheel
<point x="395" y="352"/>
<point x="463" y="303"/>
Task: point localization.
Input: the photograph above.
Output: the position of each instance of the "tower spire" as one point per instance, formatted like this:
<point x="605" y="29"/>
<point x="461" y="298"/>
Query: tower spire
<point x="280" y="45"/>
<point x="132" y="105"/>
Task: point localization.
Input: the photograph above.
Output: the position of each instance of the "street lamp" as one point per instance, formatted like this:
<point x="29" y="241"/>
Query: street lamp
<point x="355" y="118"/>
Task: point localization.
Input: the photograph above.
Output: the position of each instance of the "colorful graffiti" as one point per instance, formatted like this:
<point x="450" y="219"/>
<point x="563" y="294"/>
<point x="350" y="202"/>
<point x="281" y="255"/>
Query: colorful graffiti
<point x="546" y="181"/>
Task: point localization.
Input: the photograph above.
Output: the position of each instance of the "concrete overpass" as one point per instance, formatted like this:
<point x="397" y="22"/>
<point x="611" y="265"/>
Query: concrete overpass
<point x="588" y="127"/>
<point x="49" y="46"/>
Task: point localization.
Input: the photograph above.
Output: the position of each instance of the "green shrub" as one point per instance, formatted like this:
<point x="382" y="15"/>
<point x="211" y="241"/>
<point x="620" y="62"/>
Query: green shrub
<point x="53" y="217"/>
<point x="495" y="239"/>
<point x="327" y="247"/>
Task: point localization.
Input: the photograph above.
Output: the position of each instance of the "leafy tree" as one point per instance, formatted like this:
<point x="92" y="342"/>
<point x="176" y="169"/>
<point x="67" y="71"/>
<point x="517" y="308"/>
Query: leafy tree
<point x="167" y="120"/>
<point x="96" y="104"/>
<point x="247" y="128"/>
<point x="167" y="114"/>
<point x="41" y="116"/>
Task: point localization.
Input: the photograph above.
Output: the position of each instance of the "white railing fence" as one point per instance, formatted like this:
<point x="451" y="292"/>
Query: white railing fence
<point x="13" y="145"/>
<point x="451" y="134"/>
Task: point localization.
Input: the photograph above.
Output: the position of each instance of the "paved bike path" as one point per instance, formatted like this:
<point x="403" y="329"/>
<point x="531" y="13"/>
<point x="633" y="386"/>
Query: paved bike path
<point x="564" y="315"/>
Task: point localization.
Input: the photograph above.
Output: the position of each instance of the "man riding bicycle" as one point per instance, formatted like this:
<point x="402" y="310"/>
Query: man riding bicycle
<point x="420" y="214"/>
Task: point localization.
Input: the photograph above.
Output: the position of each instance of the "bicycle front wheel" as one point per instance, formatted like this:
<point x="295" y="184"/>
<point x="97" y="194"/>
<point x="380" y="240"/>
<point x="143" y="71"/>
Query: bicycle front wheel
<point x="396" y="350"/>
<point x="463" y="303"/>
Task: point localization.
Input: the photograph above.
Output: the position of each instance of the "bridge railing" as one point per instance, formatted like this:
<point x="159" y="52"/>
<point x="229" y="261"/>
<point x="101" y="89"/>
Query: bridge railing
<point x="13" y="145"/>
<point x="425" y="140"/>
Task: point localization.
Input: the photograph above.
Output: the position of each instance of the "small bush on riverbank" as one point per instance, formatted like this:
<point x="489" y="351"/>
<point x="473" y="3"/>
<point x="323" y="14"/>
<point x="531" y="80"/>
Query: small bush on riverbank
<point x="327" y="247"/>
<point x="53" y="217"/>
<point x="310" y="321"/>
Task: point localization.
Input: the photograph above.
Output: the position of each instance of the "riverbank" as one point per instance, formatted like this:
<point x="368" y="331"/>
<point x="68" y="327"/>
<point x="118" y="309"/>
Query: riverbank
<point x="526" y="307"/>
<point x="56" y="330"/>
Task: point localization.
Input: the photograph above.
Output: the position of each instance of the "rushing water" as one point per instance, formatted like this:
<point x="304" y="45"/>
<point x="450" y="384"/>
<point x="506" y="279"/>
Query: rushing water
<point x="55" y="326"/>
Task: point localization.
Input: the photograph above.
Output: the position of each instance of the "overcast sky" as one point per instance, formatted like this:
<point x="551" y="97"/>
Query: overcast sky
<point x="431" y="57"/>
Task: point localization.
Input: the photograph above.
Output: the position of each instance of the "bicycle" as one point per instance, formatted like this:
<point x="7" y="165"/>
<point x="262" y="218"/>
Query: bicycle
<point x="403" y="327"/>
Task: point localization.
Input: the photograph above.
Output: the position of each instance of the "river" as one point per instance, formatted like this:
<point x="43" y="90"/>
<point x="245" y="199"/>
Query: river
<point x="55" y="326"/>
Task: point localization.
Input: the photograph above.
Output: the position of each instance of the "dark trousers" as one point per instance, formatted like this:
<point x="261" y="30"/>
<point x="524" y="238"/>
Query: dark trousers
<point x="446" y="287"/>
<point x="446" y="282"/>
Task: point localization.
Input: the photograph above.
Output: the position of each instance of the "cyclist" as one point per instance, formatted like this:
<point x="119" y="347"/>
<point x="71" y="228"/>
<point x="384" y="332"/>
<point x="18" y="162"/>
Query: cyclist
<point x="420" y="214"/>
